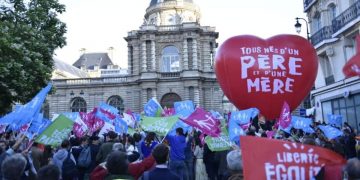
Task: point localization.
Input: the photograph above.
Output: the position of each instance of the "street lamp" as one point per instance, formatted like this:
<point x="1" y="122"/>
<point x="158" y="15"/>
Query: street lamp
<point x="298" y="27"/>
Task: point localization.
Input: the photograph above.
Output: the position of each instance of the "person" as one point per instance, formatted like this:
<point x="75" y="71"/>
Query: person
<point x="200" y="171"/>
<point x="134" y="169"/>
<point x="48" y="172"/>
<point x="211" y="163"/>
<point x="235" y="165"/>
<point x="106" y="148"/>
<point x="161" y="171"/>
<point x="94" y="149"/>
<point x="13" y="167"/>
<point x="36" y="155"/>
<point x="46" y="156"/>
<point x="352" y="169"/>
<point x="117" y="165"/>
<point x="177" y="153"/>
<point x="60" y="156"/>
<point x="189" y="156"/>
<point x="148" y="144"/>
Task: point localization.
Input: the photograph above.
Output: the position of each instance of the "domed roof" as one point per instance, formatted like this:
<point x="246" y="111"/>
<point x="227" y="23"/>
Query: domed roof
<point x="154" y="2"/>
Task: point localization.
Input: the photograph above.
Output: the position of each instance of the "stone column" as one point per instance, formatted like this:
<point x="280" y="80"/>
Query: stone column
<point x="196" y="96"/>
<point x="143" y="56"/>
<point x="195" y="58"/>
<point x="153" y="62"/>
<point x="129" y="60"/>
<point x="185" y="55"/>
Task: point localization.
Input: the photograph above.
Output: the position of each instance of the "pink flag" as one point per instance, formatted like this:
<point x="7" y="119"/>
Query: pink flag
<point x="80" y="128"/>
<point x="203" y="121"/>
<point x="285" y="116"/>
<point x="270" y="134"/>
<point x="91" y="121"/>
<point x="245" y="126"/>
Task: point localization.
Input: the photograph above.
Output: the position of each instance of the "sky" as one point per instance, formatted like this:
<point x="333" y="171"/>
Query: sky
<point x="97" y="25"/>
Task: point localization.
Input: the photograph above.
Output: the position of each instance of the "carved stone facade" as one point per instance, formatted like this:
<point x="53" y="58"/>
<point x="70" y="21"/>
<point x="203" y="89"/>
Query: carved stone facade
<point x="171" y="61"/>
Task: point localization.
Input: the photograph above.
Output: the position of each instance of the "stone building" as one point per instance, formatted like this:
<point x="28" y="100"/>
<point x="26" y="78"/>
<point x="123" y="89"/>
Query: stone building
<point x="334" y="25"/>
<point x="171" y="57"/>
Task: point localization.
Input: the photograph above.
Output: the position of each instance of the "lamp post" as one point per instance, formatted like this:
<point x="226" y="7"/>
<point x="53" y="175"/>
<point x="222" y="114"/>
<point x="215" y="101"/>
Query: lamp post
<point x="298" y="27"/>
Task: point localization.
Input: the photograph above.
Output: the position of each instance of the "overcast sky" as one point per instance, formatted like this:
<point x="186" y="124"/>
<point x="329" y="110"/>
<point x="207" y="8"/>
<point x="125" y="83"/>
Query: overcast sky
<point x="97" y="25"/>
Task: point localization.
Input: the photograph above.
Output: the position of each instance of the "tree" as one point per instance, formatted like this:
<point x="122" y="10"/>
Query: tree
<point x="30" y="31"/>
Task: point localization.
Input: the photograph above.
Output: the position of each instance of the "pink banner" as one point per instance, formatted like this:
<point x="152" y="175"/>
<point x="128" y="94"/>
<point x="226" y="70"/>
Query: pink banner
<point x="203" y="121"/>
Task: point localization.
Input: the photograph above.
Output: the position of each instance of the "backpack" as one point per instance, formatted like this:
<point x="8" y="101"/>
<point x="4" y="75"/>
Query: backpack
<point x="84" y="159"/>
<point x="68" y="169"/>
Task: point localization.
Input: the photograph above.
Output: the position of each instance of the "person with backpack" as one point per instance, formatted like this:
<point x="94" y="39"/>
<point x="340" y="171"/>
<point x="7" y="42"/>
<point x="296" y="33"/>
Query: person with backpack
<point x="106" y="148"/>
<point x="65" y="161"/>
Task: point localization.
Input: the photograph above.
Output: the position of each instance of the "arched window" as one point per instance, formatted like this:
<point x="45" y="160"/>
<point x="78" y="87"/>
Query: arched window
<point x="170" y="59"/>
<point x="332" y="11"/>
<point x="117" y="102"/>
<point x="316" y="22"/>
<point x="168" y="100"/>
<point x="78" y="104"/>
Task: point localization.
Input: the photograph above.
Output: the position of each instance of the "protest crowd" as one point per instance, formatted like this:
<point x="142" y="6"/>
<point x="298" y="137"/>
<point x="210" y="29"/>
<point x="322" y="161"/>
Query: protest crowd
<point x="184" y="142"/>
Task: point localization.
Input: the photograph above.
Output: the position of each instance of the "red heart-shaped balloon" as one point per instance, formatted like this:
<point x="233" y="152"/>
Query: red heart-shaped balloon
<point x="254" y="72"/>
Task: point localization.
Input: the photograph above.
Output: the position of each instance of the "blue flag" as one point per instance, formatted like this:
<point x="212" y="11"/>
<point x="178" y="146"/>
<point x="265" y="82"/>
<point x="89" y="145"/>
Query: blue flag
<point x="120" y="125"/>
<point x="71" y="115"/>
<point x="152" y="108"/>
<point x="235" y="131"/>
<point x="335" y="119"/>
<point x="330" y="132"/>
<point x="38" y="127"/>
<point x="216" y="114"/>
<point x="243" y="116"/>
<point x="109" y="108"/>
<point x="184" y="108"/>
<point x="300" y="122"/>
<point x="287" y="129"/>
<point x="26" y="113"/>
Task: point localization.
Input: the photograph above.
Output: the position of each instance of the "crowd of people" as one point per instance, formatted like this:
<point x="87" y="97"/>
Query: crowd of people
<point x="146" y="156"/>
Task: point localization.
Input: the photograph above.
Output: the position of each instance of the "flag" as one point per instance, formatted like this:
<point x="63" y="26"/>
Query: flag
<point x="265" y="158"/>
<point x="285" y="116"/>
<point x="244" y="116"/>
<point x="71" y="115"/>
<point x="184" y="108"/>
<point x="91" y="121"/>
<point x="56" y="132"/>
<point x="220" y="143"/>
<point x="168" y="112"/>
<point x="335" y="119"/>
<point x="129" y="119"/>
<point x="235" y="131"/>
<point x="203" y="121"/>
<point x="121" y="126"/>
<point x="25" y="114"/>
<point x="300" y="122"/>
<point x="152" y="108"/>
<point x="330" y="132"/>
<point x="108" y="108"/>
<point x="160" y="125"/>
<point x="107" y="128"/>
<point x="216" y="115"/>
<point x="80" y="128"/>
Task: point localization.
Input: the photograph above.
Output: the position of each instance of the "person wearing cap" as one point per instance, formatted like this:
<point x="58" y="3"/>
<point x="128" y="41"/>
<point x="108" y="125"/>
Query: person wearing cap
<point x="106" y="148"/>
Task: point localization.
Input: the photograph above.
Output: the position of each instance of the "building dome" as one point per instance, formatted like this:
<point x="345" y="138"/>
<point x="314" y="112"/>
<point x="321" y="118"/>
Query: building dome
<point x="171" y="12"/>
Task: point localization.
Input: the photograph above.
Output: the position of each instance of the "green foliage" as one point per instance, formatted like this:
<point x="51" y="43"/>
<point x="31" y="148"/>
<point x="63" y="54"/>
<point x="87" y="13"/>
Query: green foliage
<point x="30" y="31"/>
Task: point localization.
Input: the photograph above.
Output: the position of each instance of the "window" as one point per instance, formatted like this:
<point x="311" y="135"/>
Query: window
<point x="170" y="59"/>
<point x="168" y="100"/>
<point x="211" y="55"/>
<point x="117" y="102"/>
<point x="148" y="93"/>
<point x="131" y="60"/>
<point x="349" y="108"/>
<point x="332" y="11"/>
<point x="191" y="93"/>
<point x="148" y="55"/>
<point x="78" y="104"/>
<point x="190" y="52"/>
<point x="327" y="70"/>
<point x="316" y="22"/>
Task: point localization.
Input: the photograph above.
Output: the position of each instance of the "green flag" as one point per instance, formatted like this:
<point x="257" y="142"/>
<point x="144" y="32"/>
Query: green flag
<point x="220" y="143"/>
<point x="131" y="131"/>
<point x="159" y="125"/>
<point x="58" y="130"/>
